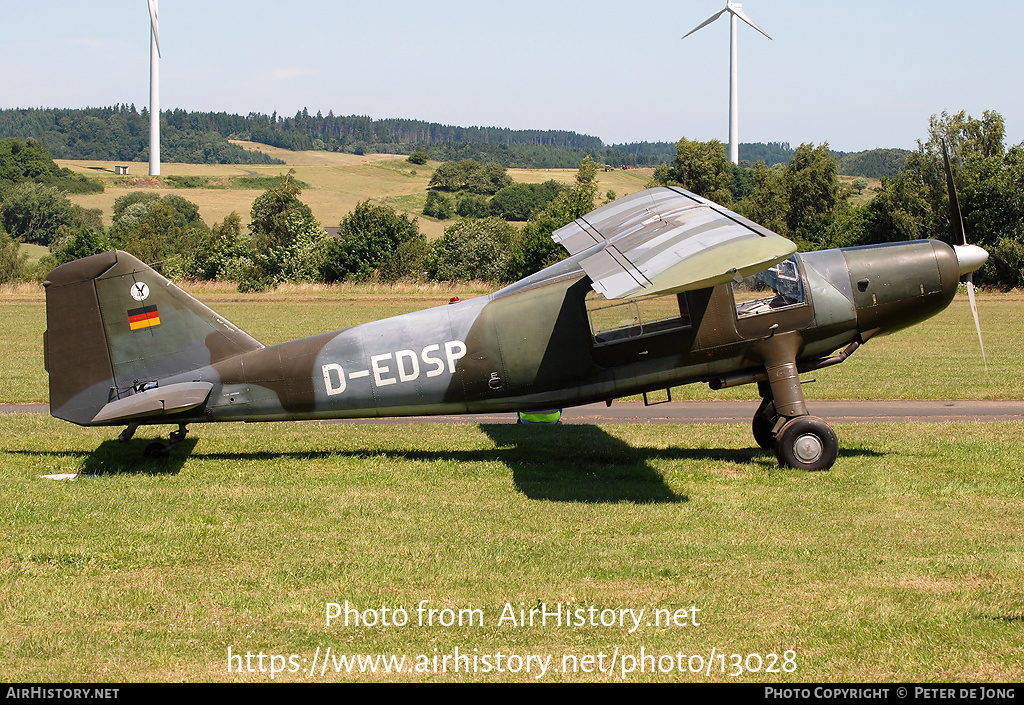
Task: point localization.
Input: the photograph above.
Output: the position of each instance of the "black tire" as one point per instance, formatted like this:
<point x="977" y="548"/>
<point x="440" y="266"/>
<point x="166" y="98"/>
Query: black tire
<point x="807" y="443"/>
<point x="763" y="423"/>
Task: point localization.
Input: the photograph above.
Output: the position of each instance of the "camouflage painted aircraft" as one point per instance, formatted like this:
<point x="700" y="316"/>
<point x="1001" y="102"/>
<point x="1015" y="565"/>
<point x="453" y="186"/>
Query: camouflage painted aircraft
<point x="662" y="288"/>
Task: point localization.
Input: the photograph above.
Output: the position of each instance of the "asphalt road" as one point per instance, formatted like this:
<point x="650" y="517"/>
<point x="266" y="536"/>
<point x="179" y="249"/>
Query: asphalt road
<point x="717" y="412"/>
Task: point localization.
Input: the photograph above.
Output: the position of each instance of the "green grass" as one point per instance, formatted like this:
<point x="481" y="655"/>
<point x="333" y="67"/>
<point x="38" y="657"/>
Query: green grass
<point x="902" y="563"/>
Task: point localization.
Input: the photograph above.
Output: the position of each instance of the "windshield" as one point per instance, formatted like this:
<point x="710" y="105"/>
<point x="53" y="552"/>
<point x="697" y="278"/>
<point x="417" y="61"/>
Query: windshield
<point x="779" y="286"/>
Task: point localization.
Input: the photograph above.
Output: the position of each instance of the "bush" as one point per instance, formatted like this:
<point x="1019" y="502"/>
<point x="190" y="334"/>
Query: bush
<point x="417" y="158"/>
<point x="473" y="207"/>
<point x="369" y="244"/>
<point x="12" y="262"/>
<point x="438" y="206"/>
<point x="471" y="249"/>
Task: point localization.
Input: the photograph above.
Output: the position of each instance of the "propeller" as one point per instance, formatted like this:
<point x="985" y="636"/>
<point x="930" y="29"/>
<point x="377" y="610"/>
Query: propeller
<point x="970" y="257"/>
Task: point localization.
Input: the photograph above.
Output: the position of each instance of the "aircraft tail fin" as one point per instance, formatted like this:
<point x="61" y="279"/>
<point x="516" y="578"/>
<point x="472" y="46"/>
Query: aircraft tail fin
<point x="115" y="329"/>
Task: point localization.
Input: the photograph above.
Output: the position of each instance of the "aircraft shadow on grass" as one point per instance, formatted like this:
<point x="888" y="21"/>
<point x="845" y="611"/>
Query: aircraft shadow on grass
<point x="113" y="457"/>
<point x="565" y="463"/>
<point x="582" y="463"/>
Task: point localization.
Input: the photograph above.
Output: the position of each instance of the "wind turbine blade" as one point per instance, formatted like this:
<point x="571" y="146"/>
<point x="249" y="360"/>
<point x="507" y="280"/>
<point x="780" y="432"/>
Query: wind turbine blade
<point x="706" y="22"/>
<point x="977" y="324"/>
<point x="154" y="24"/>
<point x="739" y="13"/>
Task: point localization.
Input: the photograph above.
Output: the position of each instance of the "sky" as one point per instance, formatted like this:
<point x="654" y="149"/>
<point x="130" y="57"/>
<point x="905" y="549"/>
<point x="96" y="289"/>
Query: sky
<point x="858" y="75"/>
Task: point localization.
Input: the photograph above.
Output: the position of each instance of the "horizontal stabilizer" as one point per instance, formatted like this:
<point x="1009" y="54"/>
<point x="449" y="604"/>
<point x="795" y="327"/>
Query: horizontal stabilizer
<point x="665" y="240"/>
<point x="155" y="402"/>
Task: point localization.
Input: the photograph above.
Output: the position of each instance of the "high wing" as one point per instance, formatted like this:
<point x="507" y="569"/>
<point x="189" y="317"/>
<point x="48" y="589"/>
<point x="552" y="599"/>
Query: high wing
<point x="665" y="240"/>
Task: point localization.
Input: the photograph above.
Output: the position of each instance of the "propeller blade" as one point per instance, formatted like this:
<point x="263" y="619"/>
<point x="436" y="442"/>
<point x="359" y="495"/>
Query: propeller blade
<point x="954" y="202"/>
<point x="706" y="22"/>
<point x="970" y="257"/>
<point x="739" y="13"/>
<point x="977" y="324"/>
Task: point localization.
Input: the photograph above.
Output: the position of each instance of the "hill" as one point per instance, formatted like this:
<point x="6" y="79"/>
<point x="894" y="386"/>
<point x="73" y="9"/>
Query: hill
<point x="337" y="182"/>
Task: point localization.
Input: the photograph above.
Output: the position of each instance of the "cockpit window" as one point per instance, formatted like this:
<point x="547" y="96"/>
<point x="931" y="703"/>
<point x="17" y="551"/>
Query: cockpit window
<point x="616" y="321"/>
<point x="777" y="287"/>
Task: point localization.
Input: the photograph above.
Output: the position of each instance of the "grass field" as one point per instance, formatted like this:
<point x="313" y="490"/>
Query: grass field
<point x="903" y="563"/>
<point x="337" y="183"/>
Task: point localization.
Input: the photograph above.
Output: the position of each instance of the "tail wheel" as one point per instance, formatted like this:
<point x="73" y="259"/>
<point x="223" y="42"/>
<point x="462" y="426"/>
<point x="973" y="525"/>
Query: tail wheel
<point x="807" y="443"/>
<point x="764" y="421"/>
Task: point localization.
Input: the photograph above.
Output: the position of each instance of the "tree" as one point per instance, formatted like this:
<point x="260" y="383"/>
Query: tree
<point x="488" y="179"/>
<point x="453" y="176"/>
<point x="418" y="158"/>
<point x="25" y="161"/>
<point x="287" y="242"/>
<point x="521" y="201"/>
<point x="801" y="200"/>
<point x="275" y="214"/>
<point x="812" y="179"/>
<point x="72" y="244"/>
<point x="33" y="213"/>
<point x="990" y="186"/>
<point x="368" y="239"/>
<point x="471" y="249"/>
<point x="12" y="262"/>
<point x="438" y="206"/>
<point x="534" y="249"/>
<point x="471" y="206"/>
<point x="700" y="167"/>
<point x="768" y="204"/>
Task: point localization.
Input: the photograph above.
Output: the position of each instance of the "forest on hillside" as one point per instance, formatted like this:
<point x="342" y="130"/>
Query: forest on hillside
<point x="503" y="230"/>
<point x="121" y="133"/>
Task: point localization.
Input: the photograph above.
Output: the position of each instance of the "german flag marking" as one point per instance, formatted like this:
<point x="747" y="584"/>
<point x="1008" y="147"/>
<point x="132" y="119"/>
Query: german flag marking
<point x="145" y="317"/>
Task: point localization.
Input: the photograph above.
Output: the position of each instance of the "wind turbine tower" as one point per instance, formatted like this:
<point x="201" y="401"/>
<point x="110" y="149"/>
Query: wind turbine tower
<point x="154" y="90"/>
<point x="735" y="11"/>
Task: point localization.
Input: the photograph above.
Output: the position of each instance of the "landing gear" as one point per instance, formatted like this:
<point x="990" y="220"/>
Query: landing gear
<point x="807" y="443"/>
<point x="781" y="422"/>
<point x="179" y="435"/>
<point x="159" y="449"/>
<point x="126" y="435"/>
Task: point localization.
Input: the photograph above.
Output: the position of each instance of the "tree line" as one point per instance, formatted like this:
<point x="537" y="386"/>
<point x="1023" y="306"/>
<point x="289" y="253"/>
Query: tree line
<point x="121" y="133"/>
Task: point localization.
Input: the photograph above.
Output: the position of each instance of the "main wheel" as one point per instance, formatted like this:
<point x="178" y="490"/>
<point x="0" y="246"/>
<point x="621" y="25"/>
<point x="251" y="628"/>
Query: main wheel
<point x="764" y="421"/>
<point x="807" y="443"/>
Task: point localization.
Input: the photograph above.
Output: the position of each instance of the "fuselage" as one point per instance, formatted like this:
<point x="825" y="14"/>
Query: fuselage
<point x="549" y="342"/>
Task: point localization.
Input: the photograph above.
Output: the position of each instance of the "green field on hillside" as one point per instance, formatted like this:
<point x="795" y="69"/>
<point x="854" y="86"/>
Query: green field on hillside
<point x="337" y="183"/>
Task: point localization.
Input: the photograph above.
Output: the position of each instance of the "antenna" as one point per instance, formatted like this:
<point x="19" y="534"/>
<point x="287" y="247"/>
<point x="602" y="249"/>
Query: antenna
<point x="154" y="90"/>
<point x="735" y="10"/>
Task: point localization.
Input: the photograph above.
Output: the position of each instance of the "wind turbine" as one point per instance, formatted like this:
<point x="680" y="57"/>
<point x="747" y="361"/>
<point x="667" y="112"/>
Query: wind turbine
<point x="154" y="90"/>
<point x="735" y="10"/>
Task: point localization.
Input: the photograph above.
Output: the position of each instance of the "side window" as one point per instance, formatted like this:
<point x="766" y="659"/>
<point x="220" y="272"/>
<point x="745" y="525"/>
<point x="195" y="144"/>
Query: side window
<point x="776" y="288"/>
<point x="617" y="321"/>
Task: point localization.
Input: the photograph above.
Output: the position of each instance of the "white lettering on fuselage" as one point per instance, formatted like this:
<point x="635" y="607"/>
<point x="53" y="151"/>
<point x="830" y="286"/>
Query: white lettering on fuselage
<point x="399" y="366"/>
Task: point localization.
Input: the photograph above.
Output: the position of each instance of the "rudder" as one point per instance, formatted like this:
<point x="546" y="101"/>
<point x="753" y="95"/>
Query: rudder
<point x="117" y="328"/>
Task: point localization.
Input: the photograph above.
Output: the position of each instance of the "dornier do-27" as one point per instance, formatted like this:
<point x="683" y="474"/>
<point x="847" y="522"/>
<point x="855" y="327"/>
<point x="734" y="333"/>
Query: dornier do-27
<point x="661" y="288"/>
